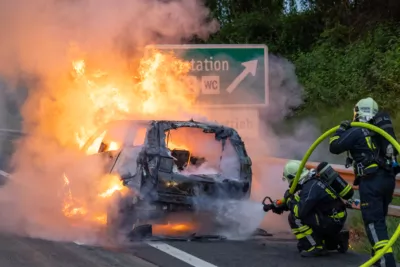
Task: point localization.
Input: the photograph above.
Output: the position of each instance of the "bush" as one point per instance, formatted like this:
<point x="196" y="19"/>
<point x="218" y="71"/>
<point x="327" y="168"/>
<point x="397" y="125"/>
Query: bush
<point x="333" y="74"/>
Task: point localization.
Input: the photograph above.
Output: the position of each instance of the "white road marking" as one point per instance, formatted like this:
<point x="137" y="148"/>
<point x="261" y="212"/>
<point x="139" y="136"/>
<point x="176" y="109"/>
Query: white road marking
<point x="181" y="255"/>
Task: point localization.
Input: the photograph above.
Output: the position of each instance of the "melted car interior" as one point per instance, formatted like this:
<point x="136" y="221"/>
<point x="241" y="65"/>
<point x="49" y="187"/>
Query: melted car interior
<point x="196" y="151"/>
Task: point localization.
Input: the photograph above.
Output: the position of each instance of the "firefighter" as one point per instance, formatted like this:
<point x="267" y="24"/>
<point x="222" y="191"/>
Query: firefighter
<point x="317" y="213"/>
<point x="373" y="162"/>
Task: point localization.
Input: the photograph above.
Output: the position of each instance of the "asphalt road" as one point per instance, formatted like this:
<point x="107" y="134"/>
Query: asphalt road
<point x="27" y="252"/>
<point x="249" y="253"/>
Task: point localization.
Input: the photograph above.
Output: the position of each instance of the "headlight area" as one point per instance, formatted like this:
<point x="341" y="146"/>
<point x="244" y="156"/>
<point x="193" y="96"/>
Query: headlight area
<point x="167" y="184"/>
<point x="170" y="186"/>
<point x="171" y="183"/>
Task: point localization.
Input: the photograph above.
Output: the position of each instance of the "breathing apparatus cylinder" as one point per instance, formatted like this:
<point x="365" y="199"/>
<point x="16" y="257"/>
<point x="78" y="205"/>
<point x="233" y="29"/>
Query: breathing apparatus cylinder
<point x="331" y="177"/>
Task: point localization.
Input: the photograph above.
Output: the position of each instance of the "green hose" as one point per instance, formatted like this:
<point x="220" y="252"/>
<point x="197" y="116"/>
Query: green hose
<point x="371" y="127"/>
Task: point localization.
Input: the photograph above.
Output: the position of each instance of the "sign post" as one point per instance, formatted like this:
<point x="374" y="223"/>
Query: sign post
<point x="229" y="77"/>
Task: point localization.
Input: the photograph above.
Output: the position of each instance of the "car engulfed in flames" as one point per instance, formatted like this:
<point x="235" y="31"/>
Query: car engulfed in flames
<point x="137" y="160"/>
<point x="99" y="94"/>
<point x="154" y="173"/>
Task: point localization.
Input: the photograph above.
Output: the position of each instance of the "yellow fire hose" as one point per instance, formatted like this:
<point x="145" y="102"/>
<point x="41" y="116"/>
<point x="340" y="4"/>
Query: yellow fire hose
<point x="371" y="127"/>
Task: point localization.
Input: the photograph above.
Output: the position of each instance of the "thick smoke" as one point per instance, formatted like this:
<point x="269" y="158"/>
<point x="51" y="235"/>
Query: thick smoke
<point x="291" y="138"/>
<point x="36" y="35"/>
<point x="40" y="38"/>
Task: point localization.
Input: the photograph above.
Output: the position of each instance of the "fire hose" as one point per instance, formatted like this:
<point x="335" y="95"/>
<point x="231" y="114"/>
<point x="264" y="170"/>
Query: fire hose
<point x="396" y="234"/>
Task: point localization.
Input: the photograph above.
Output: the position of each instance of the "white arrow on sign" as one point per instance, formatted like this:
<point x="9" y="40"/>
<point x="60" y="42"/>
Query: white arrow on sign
<point x="249" y="67"/>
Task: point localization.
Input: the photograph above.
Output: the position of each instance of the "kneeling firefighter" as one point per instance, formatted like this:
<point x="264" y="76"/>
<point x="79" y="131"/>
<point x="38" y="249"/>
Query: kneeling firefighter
<point x="375" y="166"/>
<point x="317" y="211"/>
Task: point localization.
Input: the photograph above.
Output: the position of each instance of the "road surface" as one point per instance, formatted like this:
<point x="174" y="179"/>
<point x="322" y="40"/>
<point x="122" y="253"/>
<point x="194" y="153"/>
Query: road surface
<point x="258" y="252"/>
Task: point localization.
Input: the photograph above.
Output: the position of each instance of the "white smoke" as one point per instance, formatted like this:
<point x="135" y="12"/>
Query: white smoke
<point x="39" y="38"/>
<point x="36" y="36"/>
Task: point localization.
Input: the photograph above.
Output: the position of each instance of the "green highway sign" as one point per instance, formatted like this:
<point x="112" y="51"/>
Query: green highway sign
<point x="227" y="75"/>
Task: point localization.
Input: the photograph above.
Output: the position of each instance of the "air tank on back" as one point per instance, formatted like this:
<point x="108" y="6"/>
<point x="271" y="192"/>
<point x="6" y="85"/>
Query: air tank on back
<point x="334" y="180"/>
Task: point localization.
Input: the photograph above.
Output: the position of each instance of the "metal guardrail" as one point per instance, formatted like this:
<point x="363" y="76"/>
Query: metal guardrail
<point x="348" y="175"/>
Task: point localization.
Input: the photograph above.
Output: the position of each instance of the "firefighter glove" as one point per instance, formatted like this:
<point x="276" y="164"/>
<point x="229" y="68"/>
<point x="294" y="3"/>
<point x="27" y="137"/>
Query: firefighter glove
<point x="344" y="125"/>
<point x="288" y="196"/>
<point x="277" y="211"/>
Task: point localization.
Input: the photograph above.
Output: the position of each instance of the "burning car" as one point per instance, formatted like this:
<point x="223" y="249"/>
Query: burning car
<point x="169" y="166"/>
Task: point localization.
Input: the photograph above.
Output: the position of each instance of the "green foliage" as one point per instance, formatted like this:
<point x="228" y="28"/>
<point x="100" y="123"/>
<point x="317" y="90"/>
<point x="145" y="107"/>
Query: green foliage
<point x="333" y="74"/>
<point x="266" y="22"/>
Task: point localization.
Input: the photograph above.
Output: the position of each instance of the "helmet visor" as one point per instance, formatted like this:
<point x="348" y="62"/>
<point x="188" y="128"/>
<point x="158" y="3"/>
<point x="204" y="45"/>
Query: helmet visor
<point x="289" y="178"/>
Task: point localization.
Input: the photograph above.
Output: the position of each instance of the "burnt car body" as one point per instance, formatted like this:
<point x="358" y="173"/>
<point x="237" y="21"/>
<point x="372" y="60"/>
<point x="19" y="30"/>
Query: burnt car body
<point x="153" y="172"/>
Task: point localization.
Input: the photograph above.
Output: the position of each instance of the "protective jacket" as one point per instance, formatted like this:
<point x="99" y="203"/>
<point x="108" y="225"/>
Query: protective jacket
<point x="317" y="197"/>
<point x="358" y="142"/>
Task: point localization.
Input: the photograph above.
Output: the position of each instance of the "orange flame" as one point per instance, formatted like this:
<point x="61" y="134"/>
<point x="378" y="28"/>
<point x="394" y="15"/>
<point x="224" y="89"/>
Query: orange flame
<point x="115" y="184"/>
<point x="70" y="209"/>
<point x="161" y="88"/>
<point x="176" y="228"/>
<point x="158" y="88"/>
<point x="75" y="208"/>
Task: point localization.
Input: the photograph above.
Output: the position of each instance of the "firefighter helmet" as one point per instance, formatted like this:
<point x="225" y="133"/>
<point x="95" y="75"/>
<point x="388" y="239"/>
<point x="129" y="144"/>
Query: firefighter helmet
<point x="290" y="171"/>
<point x="365" y="110"/>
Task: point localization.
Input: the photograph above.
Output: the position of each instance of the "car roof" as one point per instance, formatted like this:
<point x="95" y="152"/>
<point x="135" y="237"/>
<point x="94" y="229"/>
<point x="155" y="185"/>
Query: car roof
<point x="169" y="124"/>
<point x="183" y="122"/>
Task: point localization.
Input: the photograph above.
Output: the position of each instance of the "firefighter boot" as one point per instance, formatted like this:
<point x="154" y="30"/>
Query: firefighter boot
<point x="331" y="243"/>
<point x="315" y="251"/>
<point x="344" y="237"/>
